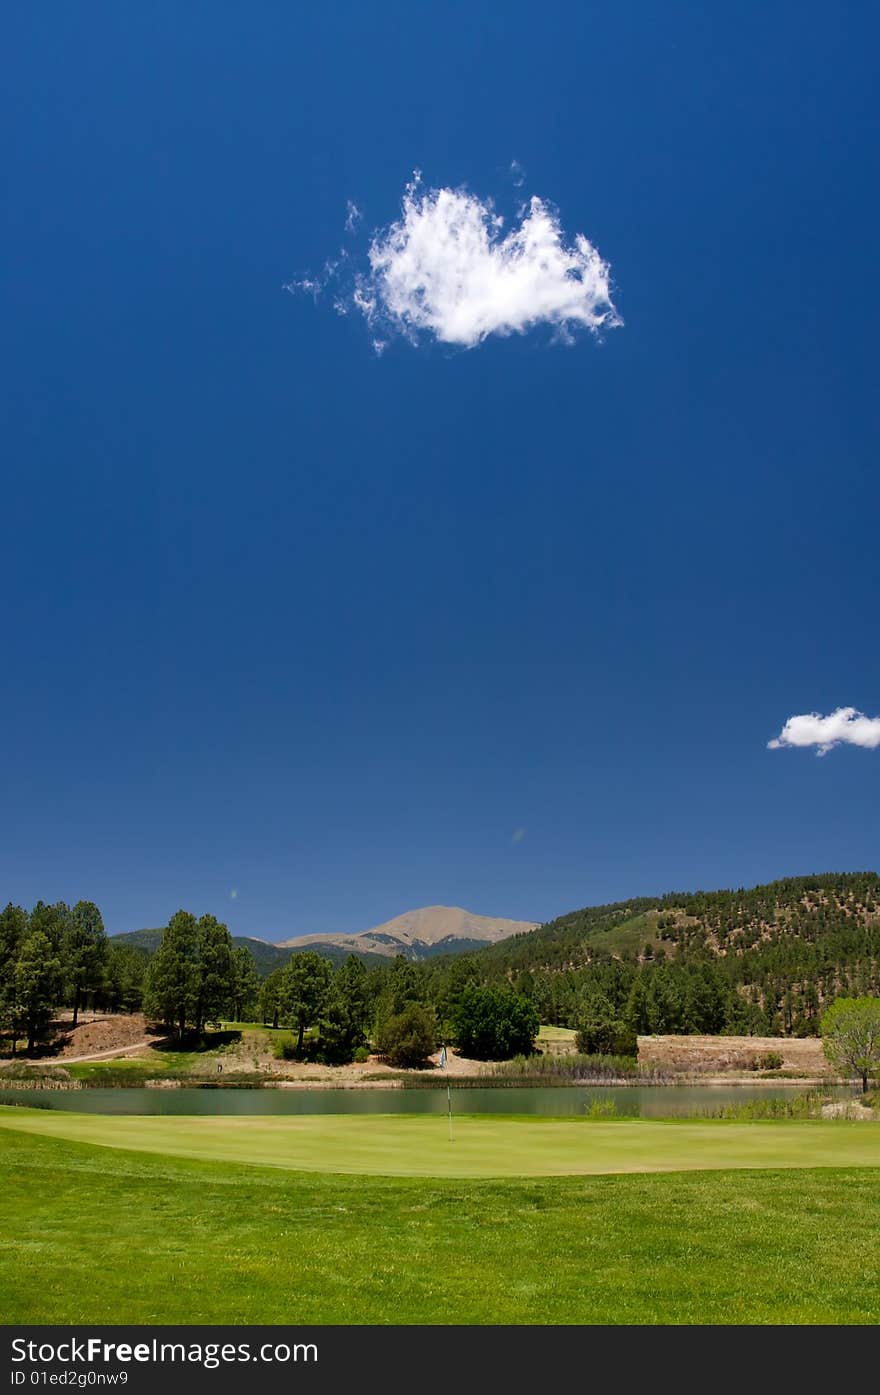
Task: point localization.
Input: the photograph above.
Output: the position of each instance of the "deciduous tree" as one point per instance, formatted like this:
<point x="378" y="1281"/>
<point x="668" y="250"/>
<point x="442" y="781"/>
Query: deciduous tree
<point x="851" y="1036"/>
<point x="494" y="1024"/>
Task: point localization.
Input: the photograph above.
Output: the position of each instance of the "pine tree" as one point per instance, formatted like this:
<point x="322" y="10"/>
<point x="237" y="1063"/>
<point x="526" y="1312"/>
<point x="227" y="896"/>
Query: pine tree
<point x="246" y="985"/>
<point x="33" y="988"/>
<point x="172" y="987"/>
<point x="216" y="971"/>
<point x="83" y="952"/>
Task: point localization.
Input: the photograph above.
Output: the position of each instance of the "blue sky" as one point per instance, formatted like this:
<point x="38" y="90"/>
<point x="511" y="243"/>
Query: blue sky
<point x="506" y="627"/>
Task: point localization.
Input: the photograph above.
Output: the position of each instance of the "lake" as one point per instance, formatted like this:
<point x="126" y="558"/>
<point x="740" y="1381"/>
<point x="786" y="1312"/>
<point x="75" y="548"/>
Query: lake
<point x="649" y="1101"/>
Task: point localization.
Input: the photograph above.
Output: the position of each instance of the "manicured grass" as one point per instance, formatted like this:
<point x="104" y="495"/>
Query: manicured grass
<point x="559" y="1034"/>
<point x="485" y="1146"/>
<point x="94" y="1235"/>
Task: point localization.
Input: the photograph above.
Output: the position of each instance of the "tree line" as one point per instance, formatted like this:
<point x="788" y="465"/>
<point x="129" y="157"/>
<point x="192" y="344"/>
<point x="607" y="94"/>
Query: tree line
<point x="764" y="961"/>
<point x="59" y="956"/>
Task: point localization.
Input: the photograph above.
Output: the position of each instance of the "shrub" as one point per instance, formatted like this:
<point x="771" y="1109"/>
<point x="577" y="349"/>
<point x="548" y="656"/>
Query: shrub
<point x="494" y="1024"/>
<point x="408" y="1038"/>
<point x="284" y="1047"/>
<point x="361" y="1055"/>
<point x="770" y="1060"/>
<point x="600" y="1032"/>
<point x="601" y="1109"/>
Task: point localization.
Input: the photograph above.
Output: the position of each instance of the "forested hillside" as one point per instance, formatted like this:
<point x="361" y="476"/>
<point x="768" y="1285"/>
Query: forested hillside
<point x="760" y="960"/>
<point x="266" y="957"/>
<point x="763" y="961"/>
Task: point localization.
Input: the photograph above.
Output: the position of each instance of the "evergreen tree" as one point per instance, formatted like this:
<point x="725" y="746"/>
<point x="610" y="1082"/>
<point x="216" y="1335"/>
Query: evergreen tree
<point x="345" y="1018"/>
<point x="53" y="922"/>
<point x="83" y="953"/>
<point x="13" y="928"/>
<point x="245" y="984"/>
<point x="216" y="971"/>
<point x="172" y="988"/>
<point x="33" y="988"/>
<point x="126" y="970"/>
<point x="270" y="997"/>
<point x="303" y="991"/>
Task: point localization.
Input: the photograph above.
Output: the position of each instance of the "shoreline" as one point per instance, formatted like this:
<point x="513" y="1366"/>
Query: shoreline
<point x="685" y="1081"/>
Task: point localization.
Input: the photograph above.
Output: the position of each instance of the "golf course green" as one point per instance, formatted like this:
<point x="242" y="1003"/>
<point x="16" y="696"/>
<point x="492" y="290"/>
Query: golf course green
<point x="483" y="1146"/>
<point x="110" y="1235"/>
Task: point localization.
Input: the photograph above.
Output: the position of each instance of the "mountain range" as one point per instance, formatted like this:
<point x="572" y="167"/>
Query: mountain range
<point x="419" y="934"/>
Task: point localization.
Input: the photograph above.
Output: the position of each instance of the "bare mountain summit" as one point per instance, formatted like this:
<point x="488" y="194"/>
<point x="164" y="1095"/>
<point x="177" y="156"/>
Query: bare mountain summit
<point x="420" y="934"/>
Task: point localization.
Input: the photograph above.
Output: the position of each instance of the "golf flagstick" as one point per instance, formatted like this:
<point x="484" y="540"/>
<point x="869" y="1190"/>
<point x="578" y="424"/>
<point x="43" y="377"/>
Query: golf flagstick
<point x="448" y="1094"/>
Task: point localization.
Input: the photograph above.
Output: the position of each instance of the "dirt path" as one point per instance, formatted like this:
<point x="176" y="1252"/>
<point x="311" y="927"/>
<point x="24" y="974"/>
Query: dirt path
<point x="104" y="1055"/>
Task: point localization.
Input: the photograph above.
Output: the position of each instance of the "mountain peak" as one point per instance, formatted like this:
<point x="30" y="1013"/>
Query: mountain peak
<point x="420" y="933"/>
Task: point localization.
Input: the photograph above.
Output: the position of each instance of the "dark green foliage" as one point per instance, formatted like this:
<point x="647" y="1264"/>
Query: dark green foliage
<point x="601" y="1031"/>
<point x="194" y="975"/>
<point x="460" y="974"/>
<point x="171" y="995"/>
<point x="246" y="983"/>
<point x="266" y="957"/>
<point x="762" y="961"/>
<point x="13" y="928"/>
<point x="493" y="1024"/>
<point x="346" y="1016"/>
<point x="216" y="972"/>
<point x="270" y="998"/>
<point x="31" y="989"/>
<point x="304" y="987"/>
<point x="84" y="953"/>
<point x="51" y="921"/>
<point x="124" y="977"/>
<point x="409" y="1037"/>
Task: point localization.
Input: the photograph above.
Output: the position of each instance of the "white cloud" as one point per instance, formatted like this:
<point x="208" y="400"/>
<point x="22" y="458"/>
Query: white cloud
<point x="518" y="835"/>
<point x="845" y="724"/>
<point x="233" y="895"/>
<point x="517" y="173"/>
<point x="446" y="270"/>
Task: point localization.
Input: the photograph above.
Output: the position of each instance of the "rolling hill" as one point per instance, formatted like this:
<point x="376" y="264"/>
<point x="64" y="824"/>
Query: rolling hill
<point x="266" y="956"/>
<point x="761" y="959"/>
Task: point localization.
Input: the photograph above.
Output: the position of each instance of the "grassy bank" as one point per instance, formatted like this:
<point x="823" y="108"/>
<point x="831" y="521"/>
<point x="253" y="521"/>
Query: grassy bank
<point x="99" y="1235"/>
<point x="485" y="1146"/>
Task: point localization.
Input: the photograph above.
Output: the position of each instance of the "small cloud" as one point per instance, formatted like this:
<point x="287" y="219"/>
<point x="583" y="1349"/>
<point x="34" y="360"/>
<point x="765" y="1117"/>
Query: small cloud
<point x="517" y="174"/>
<point x="353" y="216"/>
<point x="448" y="271"/>
<point x="845" y="725"/>
<point x="233" y="895"/>
<point x="517" y="835"/>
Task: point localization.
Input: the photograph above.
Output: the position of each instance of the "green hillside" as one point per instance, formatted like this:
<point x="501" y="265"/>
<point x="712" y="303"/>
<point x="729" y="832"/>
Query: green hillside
<point x="762" y="959"/>
<point x="266" y="956"/>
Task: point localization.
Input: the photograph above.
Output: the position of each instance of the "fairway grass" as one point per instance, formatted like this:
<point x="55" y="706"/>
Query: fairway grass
<point x="484" y="1146"/>
<point x="99" y="1235"/>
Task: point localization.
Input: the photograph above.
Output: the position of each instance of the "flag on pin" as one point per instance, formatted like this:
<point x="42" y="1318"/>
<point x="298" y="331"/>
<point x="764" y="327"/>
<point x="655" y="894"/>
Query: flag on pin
<point x="443" y="1058"/>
